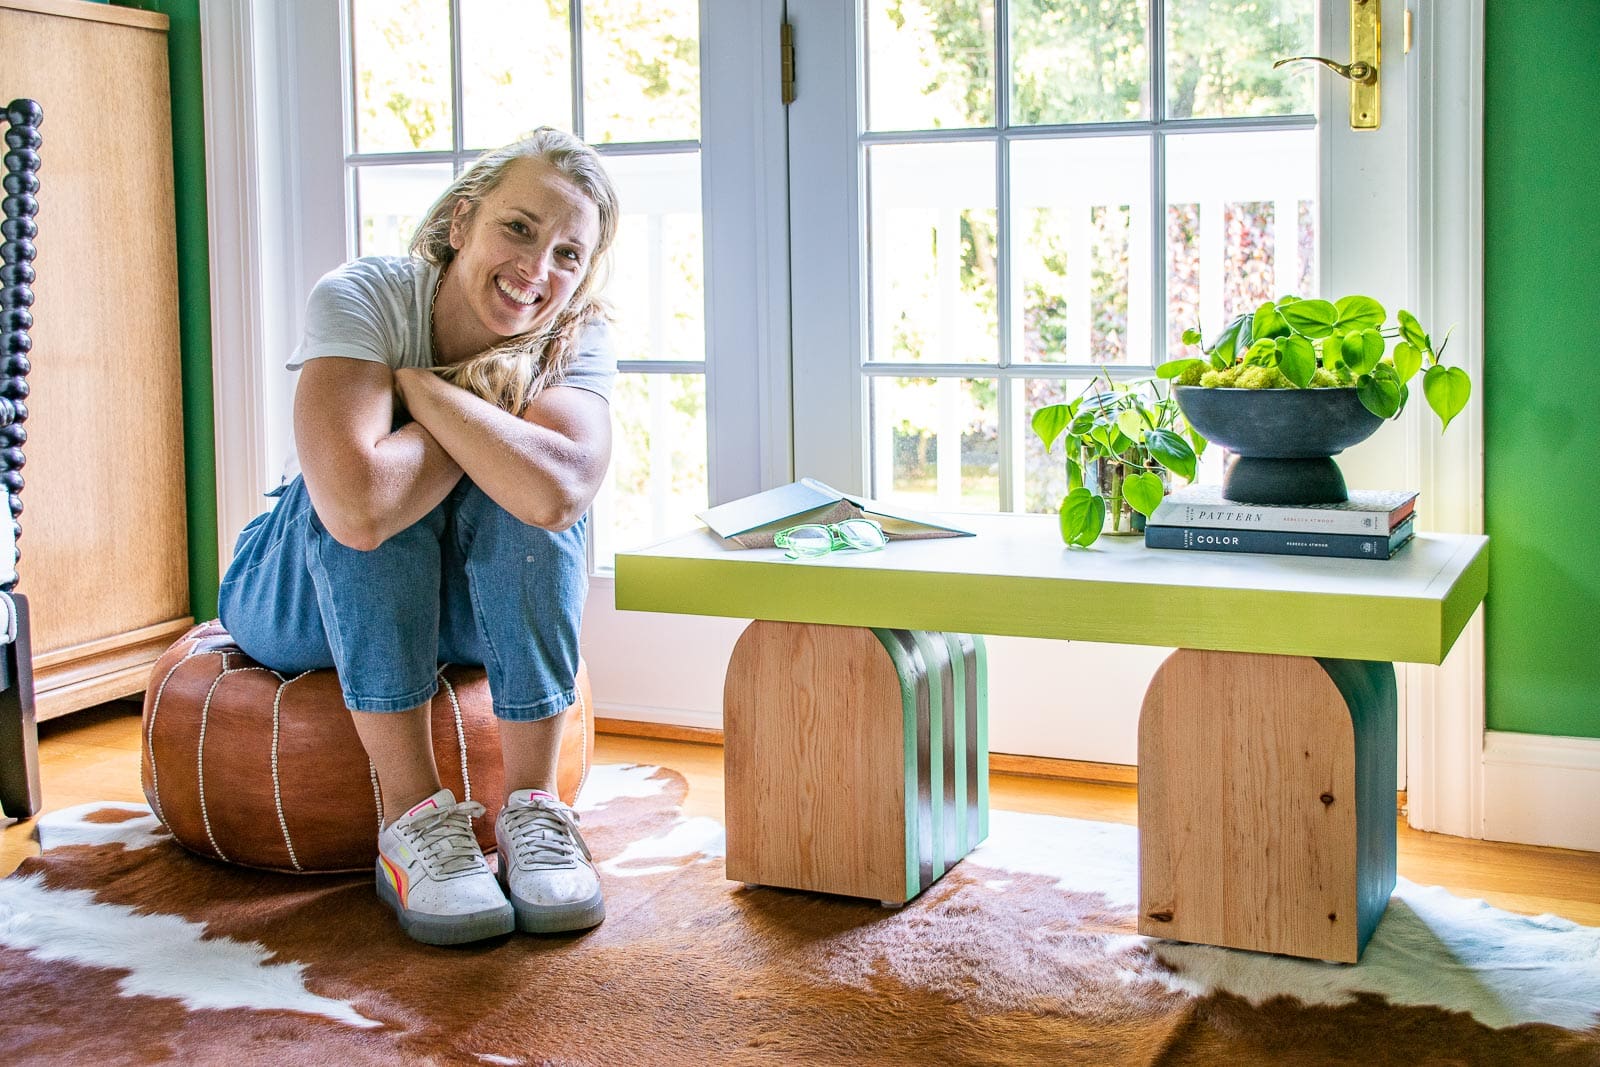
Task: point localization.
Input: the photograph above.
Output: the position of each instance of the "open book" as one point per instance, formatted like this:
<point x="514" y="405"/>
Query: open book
<point x="751" y="521"/>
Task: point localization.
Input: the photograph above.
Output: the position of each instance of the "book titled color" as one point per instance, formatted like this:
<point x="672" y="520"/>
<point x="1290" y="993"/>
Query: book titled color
<point x="1368" y="511"/>
<point x="1279" y="542"/>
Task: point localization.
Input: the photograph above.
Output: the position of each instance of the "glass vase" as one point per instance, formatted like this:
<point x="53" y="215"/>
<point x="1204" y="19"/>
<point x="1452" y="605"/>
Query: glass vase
<point x="1105" y="476"/>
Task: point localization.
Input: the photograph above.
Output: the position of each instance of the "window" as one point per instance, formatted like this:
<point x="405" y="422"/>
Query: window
<point x="435" y="82"/>
<point x="1053" y="189"/>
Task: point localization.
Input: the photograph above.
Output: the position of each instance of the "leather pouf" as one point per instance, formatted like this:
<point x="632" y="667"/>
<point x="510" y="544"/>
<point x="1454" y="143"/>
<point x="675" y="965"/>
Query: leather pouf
<point x="264" y="770"/>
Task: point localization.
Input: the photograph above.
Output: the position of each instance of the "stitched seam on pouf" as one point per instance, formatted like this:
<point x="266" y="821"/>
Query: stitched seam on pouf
<point x="200" y="763"/>
<point x="277" y="789"/>
<point x="461" y="737"/>
<point x="150" y="733"/>
<point x="377" y="795"/>
<point x="205" y="712"/>
<point x="583" y="749"/>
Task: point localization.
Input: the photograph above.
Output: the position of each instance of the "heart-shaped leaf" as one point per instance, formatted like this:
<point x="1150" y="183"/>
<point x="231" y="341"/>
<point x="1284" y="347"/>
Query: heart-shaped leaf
<point x="1331" y="357"/>
<point x="1074" y="473"/>
<point x="1226" y="350"/>
<point x="1358" y="312"/>
<point x="1082" y="515"/>
<point x="1132" y="426"/>
<point x="1380" y="394"/>
<point x="1447" y="390"/>
<point x="1143" y="491"/>
<point x="1297" y="360"/>
<point x="1263" y="353"/>
<point x="1173" y="368"/>
<point x="1049" y="421"/>
<point x="1412" y="330"/>
<point x="1313" y="318"/>
<point x="1407" y="360"/>
<point x="1268" y="323"/>
<point x="1191" y="336"/>
<point x="1361" y="350"/>
<point x="1172" y="452"/>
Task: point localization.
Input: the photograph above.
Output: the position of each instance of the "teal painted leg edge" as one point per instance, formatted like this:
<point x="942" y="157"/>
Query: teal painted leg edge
<point x="941" y="740"/>
<point x="945" y="752"/>
<point x="1369" y="688"/>
<point x="909" y="671"/>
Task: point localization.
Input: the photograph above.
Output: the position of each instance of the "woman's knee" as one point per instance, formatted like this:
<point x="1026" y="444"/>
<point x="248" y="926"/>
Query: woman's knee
<point x="490" y="536"/>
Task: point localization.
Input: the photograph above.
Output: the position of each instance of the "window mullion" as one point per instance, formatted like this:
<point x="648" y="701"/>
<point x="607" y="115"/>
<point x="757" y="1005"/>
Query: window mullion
<point x="457" y="92"/>
<point x="352" y="188"/>
<point x="1005" y="250"/>
<point x="1158" y="182"/>
<point x="575" y="23"/>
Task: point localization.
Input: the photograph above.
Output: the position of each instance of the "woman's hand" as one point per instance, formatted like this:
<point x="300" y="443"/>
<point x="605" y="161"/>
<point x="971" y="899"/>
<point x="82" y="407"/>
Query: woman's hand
<point x="544" y="467"/>
<point x="409" y="375"/>
<point x="367" y="481"/>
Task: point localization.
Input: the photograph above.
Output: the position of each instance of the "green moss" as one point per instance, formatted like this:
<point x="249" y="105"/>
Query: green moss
<point x="1262" y="378"/>
<point x="1193" y="375"/>
<point x="1240" y="376"/>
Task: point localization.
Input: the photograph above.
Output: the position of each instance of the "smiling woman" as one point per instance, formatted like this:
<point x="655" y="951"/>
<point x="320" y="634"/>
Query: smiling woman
<point x="452" y="419"/>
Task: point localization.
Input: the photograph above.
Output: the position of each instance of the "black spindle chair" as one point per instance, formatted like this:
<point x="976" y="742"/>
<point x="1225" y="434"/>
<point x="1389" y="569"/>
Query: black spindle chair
<point x="19" y="751"/>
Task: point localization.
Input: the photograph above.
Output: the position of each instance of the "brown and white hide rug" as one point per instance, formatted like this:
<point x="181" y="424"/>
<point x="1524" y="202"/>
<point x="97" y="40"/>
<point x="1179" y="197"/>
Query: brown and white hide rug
<point x="116" y="947"/>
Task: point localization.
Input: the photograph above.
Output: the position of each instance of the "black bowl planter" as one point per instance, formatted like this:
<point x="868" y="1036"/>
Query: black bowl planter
<point x="1282" y="439"/>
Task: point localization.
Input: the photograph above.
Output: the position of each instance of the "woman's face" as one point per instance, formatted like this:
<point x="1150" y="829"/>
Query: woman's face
<point x="521" y="253"/>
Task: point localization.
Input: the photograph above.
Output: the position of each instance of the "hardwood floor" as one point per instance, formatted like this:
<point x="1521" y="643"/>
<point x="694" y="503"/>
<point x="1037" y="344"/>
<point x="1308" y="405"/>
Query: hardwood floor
<point x="94" y="755"/>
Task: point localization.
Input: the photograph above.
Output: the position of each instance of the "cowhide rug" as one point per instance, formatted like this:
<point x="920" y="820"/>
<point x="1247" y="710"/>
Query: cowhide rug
<point x="118" y="947"/>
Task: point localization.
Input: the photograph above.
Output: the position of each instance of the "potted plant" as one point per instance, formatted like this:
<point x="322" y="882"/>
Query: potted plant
<point x="1123" y="441"/>
<point x="1295" y="382"/>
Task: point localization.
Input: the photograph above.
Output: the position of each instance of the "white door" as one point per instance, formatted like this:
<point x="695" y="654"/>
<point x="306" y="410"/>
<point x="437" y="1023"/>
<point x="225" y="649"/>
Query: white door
<point x="995" y="200"/>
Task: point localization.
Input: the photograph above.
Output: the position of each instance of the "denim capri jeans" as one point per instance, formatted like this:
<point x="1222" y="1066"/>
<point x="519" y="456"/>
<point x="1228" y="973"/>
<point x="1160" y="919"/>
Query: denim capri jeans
<point x="467" y="584"/>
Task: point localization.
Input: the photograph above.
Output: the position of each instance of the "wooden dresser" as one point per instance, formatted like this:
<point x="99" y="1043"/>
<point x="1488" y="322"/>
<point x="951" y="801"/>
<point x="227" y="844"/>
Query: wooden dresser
<point x="104" y="546"/>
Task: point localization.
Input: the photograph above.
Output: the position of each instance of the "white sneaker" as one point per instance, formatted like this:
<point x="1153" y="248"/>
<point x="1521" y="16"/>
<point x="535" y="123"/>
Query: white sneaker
<point x="545" y="866"/>
<point x="433" y="874"/>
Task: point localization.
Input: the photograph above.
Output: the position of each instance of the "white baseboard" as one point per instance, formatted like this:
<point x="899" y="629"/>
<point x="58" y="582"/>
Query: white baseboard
<point x="1541" y="790"/>
<point x="693" y="718"/>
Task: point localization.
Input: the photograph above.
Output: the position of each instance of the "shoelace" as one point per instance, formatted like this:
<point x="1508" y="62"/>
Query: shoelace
<point x="445" y="841"/>
<point x="544" y="834"/>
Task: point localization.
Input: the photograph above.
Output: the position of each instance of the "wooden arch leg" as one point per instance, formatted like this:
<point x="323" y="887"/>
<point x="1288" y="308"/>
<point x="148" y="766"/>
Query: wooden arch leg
<point x="856" y="760"/>
<point x="1266" y="802"/>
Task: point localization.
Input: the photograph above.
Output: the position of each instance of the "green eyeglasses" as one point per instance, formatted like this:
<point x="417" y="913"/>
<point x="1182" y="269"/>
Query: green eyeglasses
<point x="813" y="539"/>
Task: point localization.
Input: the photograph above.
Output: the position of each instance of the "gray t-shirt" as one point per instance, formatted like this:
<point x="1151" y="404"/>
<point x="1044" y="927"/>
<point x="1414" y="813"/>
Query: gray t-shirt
<point x="380" y="308"/>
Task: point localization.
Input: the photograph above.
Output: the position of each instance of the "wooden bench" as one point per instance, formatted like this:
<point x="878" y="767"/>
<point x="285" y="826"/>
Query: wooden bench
<point x="1267" y="747"/>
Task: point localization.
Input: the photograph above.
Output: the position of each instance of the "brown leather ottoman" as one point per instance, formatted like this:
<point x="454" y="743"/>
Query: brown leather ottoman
<point x="251" y="767"/>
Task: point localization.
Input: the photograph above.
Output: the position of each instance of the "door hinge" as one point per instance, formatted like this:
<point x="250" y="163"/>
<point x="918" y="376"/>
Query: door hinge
<point x="786" y="50"/>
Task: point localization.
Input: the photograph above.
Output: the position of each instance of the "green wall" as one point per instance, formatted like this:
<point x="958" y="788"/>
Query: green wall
<point x="194" y="295"/>
<point x="1541" y="295"/>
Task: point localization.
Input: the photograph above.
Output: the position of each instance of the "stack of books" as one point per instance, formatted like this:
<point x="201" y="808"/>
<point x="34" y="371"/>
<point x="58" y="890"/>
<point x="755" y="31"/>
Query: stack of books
<point x="1372" y="524"/>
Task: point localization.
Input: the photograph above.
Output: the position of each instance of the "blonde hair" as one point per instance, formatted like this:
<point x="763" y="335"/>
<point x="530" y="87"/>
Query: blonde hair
<point x="515" y="371"/>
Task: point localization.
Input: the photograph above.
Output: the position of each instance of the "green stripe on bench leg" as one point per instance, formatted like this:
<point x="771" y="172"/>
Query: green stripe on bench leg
<point x="941" y="748"/>
<point x="915" y="707"/>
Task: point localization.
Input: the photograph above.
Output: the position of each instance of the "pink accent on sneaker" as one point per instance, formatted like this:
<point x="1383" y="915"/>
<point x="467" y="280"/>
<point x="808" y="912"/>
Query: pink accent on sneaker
<point x="429" y="803"/>
<point x="526" y="795"/>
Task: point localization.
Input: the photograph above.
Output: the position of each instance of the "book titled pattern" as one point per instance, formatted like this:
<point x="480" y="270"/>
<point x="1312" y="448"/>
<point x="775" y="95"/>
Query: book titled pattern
<point x="1279" y="542"/>
<point x="1368" y="511"/>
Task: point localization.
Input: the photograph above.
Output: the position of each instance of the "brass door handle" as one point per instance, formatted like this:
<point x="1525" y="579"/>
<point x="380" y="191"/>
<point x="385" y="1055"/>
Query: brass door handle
<point x="1359" y="71"/>
<point x="1366" y="47"/>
